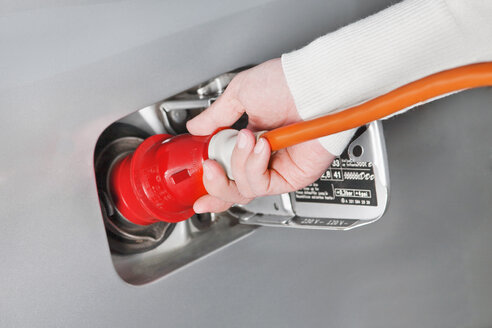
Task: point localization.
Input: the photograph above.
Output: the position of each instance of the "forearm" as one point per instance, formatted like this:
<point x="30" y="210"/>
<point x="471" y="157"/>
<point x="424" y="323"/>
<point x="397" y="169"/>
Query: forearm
<point x="401" y="44"/>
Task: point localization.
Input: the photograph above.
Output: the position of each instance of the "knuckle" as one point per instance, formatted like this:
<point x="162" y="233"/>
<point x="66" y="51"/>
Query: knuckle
<point x="246" y="192"/>
<point x="260" y="187"/>
<point x="236" y="106"/>
<point x="243" y="187"/>
<point x="236" y="81"/>
<point x="260" y="192"/>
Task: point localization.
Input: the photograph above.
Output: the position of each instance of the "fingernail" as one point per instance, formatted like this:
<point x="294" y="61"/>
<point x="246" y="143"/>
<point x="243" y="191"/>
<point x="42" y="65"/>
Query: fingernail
<point x="241" y="140"/>
<point x="259" y="146"/>
<point x="208" y="171"/>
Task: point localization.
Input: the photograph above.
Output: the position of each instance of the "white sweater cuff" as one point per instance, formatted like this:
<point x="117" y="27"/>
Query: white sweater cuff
<point x="403" y="43"/>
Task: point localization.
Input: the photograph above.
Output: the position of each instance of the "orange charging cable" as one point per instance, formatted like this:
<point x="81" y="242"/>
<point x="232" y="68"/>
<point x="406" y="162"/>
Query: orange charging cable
<point x="425" y="89"/>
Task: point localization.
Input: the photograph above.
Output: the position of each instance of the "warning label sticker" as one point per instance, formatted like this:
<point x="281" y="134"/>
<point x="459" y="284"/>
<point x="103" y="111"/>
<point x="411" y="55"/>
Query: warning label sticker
<point x="345" y="182"/>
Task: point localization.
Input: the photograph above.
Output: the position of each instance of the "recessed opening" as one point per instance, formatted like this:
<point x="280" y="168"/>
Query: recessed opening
<point x="142" y="254"/>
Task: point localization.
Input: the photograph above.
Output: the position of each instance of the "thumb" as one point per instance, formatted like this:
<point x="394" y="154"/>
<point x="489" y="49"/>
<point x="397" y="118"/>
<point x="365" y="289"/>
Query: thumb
<point x="224" y="112"/>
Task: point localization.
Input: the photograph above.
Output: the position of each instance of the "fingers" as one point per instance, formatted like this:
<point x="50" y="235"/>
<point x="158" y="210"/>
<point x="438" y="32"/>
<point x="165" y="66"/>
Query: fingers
<point x="244" y="147"/>
<point x="257" y="173"/>
<point x="224" y="112"/>
<point x="209" y="203"/>
<point x="223" y="192"/>
<point x="256" y="167"/>
<point x="217" y="184"/>
<point x="252" y="177"/>
<point x="250" y="161"/>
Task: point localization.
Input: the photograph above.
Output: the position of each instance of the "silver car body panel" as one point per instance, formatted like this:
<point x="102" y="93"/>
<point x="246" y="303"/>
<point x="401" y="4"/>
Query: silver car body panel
<point x="68" y="70"/>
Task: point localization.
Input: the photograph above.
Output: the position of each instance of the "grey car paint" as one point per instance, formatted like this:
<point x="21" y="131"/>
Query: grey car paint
<point x="68" y="70"/>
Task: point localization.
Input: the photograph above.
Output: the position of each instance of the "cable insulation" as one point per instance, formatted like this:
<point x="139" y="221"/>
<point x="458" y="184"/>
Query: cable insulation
<point x="411" y="94"/>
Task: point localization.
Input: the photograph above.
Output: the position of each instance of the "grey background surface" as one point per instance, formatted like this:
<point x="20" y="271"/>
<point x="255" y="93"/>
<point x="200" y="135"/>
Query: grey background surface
<point x="69" y="69"/>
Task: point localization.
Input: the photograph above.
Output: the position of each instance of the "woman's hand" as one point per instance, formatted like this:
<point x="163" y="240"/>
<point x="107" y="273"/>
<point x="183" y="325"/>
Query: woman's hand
<point x="262" y="92"/>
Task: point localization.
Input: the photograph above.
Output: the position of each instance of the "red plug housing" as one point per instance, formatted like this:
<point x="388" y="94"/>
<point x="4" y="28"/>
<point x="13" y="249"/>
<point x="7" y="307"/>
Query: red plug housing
<point x="161" y="180"/>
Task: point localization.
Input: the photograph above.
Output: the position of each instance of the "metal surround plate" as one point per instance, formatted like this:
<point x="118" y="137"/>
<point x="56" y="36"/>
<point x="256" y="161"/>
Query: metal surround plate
<point x="285" y="211"/>
<point x="374" y="147"/>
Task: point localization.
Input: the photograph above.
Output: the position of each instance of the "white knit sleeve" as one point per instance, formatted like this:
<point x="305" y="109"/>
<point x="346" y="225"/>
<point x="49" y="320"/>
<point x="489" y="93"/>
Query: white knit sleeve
<point x="403" y="43"/>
